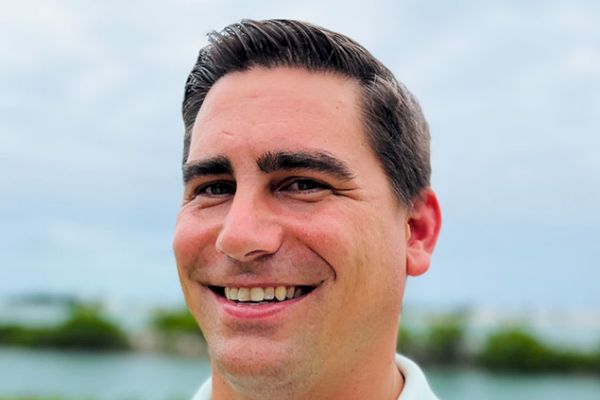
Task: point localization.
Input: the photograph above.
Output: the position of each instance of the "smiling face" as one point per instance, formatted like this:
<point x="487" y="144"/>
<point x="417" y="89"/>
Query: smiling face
<point x="283" y="190"/>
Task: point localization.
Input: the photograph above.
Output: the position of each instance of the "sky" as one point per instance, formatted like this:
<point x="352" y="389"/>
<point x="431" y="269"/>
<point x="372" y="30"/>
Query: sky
<point x="91" y="140"/>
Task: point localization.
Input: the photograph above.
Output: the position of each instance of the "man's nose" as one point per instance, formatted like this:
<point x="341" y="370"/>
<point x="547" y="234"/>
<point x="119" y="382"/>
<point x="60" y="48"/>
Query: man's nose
<point x="250" y="229"/>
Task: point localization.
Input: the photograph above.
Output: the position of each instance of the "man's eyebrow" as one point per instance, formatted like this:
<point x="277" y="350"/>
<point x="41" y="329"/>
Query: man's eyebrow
<point x="309" y="160"/>
<point x="218" y="165"/>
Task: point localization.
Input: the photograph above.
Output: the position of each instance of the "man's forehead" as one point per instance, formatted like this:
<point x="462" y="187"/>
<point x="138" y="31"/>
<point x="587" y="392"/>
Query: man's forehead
<point x="278" y="104"/>
<point x="281" y="86"/>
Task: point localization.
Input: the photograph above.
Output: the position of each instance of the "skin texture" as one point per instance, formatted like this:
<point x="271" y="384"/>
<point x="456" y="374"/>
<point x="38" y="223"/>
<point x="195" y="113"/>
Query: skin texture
<point x="243" y="223"/>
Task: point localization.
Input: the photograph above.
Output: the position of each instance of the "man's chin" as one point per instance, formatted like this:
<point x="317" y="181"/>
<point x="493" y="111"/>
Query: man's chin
<point x="254" y="368"/>
<point x="251" y="360"/>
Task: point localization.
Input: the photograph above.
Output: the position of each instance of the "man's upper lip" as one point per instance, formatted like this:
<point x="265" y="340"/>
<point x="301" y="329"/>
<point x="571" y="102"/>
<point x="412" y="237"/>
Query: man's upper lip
<point x="259" y="283"/>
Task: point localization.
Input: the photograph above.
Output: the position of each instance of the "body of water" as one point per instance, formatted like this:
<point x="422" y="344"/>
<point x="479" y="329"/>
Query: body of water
<point x="127" y="376"/>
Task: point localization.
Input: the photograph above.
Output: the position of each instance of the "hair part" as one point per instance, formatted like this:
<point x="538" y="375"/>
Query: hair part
<point x="393" y="121"/>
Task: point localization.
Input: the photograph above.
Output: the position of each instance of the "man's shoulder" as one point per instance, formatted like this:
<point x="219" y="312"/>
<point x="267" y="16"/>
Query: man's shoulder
<point x="415" y="383"/>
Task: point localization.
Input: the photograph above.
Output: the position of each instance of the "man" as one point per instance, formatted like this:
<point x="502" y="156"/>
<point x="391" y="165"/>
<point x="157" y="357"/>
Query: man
<point x="306" y="205"/>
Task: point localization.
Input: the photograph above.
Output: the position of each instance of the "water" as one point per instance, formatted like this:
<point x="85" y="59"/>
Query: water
<point x="106" y="376"/>
<point x="481" y="385"/>
<point x="126" y="376"/>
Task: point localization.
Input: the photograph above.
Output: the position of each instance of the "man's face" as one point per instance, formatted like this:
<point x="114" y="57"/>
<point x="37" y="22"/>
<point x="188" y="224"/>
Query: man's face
<point x="283" y="190"/>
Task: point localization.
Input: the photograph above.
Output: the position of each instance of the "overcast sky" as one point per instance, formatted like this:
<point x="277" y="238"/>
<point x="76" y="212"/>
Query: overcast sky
<point x="90" y="139"/>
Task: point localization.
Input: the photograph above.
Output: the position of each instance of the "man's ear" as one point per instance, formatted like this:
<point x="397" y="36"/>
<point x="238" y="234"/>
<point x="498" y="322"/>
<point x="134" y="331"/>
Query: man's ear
<point x="424" y="223"/>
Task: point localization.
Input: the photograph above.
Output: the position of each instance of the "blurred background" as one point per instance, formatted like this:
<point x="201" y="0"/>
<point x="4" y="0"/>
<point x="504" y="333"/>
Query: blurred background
<point x="90" y="151"/>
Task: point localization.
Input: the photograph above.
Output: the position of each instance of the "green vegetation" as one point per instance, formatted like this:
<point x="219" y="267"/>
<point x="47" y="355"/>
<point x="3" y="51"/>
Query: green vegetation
<point x="31" y="398"/>
<point x="71" y="398"/>
<point x="441" y="342"/>
<point x="17" y="335"/>
<point x="85" y="328"/>
<point x="517" y="350"/>
<point x="176" y="331"/>
<point x="514" y="348"/>
<point x="178" y="321"/>
<point x="509" y="349"/>
<point x="406" y="342"/>
<point x="444" y="341"/>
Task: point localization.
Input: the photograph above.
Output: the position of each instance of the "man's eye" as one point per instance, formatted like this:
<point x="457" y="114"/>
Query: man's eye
<point x="304" y="185"/>
<point x="216" y="189"/>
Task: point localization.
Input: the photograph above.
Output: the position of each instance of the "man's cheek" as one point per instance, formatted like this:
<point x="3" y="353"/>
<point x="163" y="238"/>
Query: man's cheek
<point x="190" y="241"/>
<point x="182" y="244"/>
<point x="332" y="239"/>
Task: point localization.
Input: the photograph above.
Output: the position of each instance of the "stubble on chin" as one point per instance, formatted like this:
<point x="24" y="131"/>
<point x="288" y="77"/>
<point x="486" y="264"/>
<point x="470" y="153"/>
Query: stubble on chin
<point x="286" y="378"/>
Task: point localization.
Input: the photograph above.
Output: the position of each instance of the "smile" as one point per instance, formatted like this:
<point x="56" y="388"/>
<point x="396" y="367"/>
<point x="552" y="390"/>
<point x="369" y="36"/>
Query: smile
<point x="261" y="295"/>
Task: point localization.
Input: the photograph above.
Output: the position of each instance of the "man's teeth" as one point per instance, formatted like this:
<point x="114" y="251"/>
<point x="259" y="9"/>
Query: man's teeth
<point x="269" y="293"/>
<point x="257" y="294"/>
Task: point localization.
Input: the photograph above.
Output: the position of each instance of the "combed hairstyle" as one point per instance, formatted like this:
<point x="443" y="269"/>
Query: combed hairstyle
<point x="393" y="121"/>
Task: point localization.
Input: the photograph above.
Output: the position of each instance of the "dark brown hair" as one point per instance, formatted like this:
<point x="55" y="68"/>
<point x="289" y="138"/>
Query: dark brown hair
<point x="394" y="122"/>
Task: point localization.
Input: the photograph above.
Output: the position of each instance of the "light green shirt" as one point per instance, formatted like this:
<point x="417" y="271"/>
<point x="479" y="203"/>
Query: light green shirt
<point x="415" y="383"/>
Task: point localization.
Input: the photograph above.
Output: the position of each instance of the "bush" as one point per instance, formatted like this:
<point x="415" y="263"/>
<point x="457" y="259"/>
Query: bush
<point x="85" y="328"/>
<point x="406" y="343"/>
<point x="180" y="321"/>
<point x="16" y="335"/>
<point x="29" y="398"/>
<point x="441" y="343"/>
<point x="444" y="341"/>
<point x="570" y="361"/>
<point x="10" y="334"/>
<point x="595" y="360"/>
<point x="516" y="349"/>
<point x="178" y="333"/>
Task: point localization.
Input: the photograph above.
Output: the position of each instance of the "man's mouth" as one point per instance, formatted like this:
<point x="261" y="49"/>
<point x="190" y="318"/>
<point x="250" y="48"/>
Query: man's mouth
<point x="261" y="295"/>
